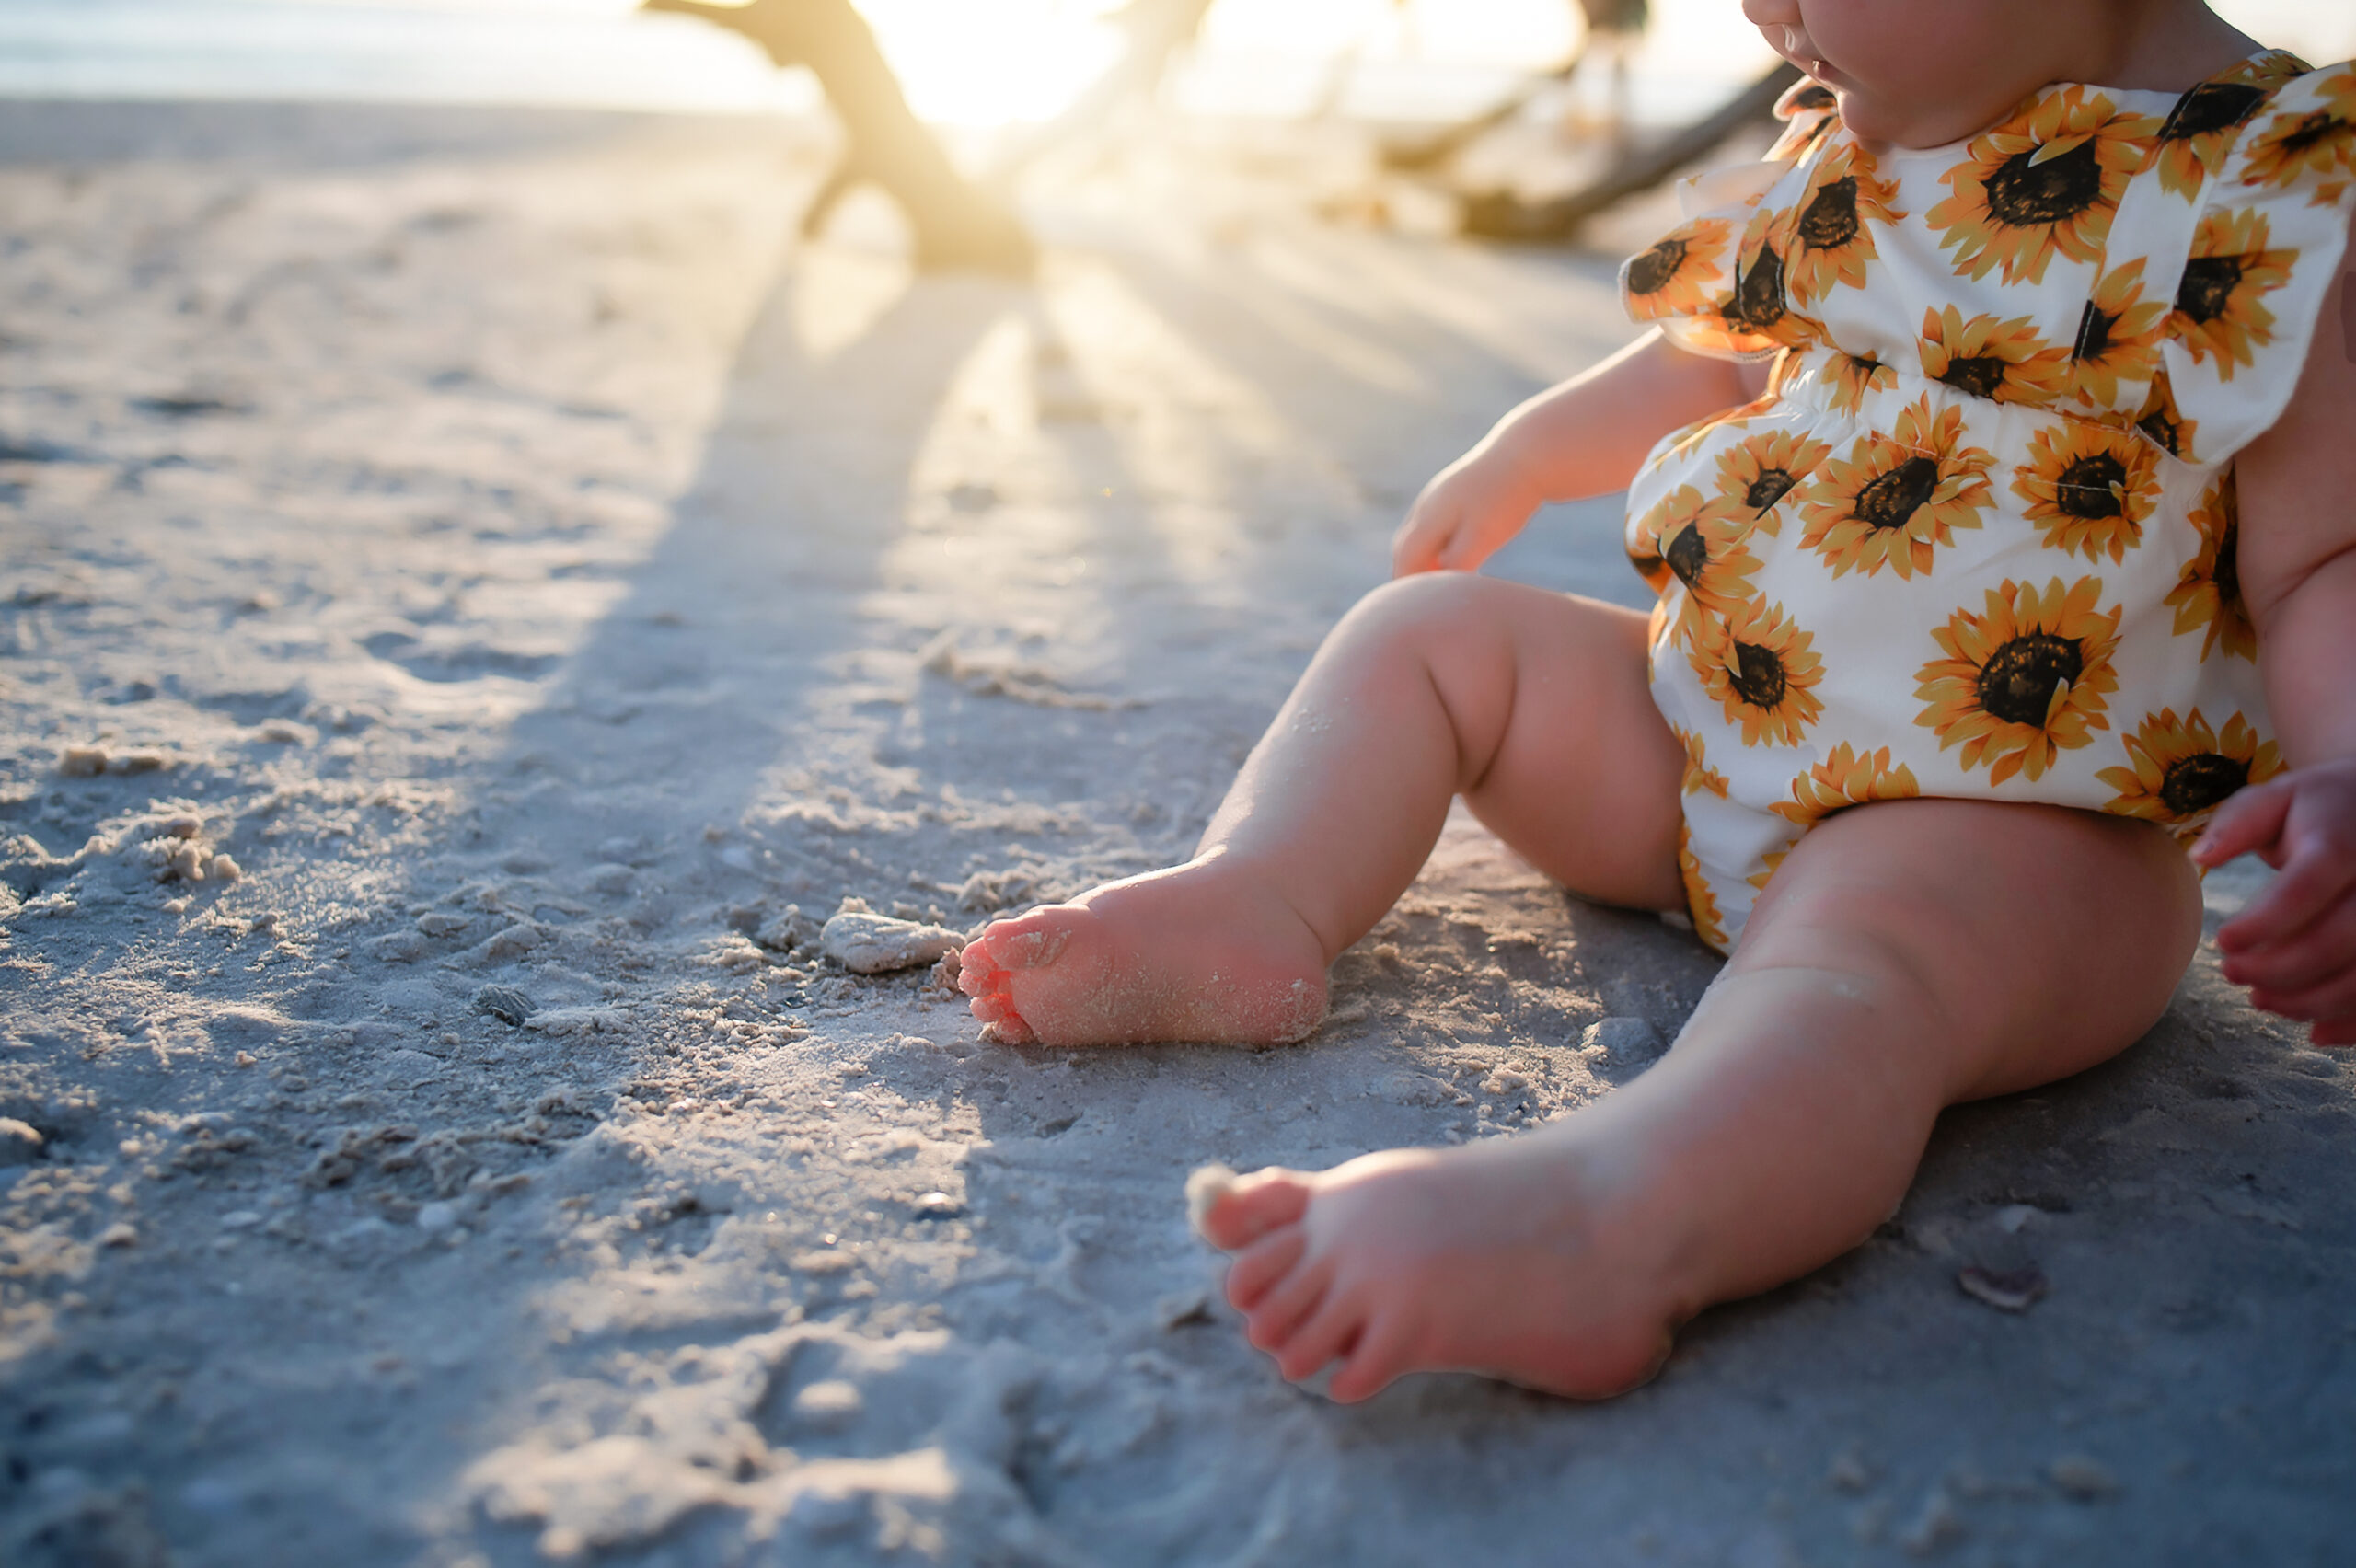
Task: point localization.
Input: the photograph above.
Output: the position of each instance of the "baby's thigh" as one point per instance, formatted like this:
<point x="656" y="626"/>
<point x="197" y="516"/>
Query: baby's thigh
<point x="2040" y="939"/>
<point x="1580" y="772"/>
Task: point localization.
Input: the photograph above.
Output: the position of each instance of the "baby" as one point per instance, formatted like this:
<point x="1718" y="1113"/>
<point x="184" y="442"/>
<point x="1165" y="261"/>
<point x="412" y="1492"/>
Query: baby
<point x="1940" y="453"/>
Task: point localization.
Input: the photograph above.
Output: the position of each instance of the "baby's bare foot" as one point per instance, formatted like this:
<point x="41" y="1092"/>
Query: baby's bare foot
<point x="1199" y="953"/>
<point x="1493" y="1259"/>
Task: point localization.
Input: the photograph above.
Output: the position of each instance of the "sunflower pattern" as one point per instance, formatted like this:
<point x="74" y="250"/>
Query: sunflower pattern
<point x="1752" y="313"/>
<point x="1978" y="538"/>
<point x="2202" y="123"/>
<point x="2162" y="424"/>
<point x="2118" y="336"/>
<point x="2089" y="487"/>
<point x="1854" y="375"/>
<point x="1756" y="474"/>
<point x="1699" y="775"/>
<point x="1807" y="109"/>
<point x="2219" y="310"/>
<point x="1830" y="243"/>
<point x="2180" y="771"/>
<point x="1896" y="498"/>
<point x="2207" y="598"/>
<point x="1645" y="551"/>
<point x="1669" y="278"/>
<point x="2006" y="361"/>
<point x="2025" y="680"/>
<point x="2317" y="139"/>
<point x="1695" y="544"/>
<point x="1758" y="665"/>
<point x="1708" y="923"/>
<point x="1757" y="316"/>
<point x="1843" y="780"/>
<point x="2044" y="184"/>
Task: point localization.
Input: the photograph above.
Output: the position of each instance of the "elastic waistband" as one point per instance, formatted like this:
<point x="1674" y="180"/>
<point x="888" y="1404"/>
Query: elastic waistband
<point x="1810" y="378"/>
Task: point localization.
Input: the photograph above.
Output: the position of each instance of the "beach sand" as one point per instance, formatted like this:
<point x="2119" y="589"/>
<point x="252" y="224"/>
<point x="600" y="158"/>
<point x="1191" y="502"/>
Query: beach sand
<point x="470" y="578"/>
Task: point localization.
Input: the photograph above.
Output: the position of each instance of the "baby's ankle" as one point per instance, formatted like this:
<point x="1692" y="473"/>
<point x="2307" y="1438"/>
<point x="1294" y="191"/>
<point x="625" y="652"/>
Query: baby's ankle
<point x="1636" y="1218"/>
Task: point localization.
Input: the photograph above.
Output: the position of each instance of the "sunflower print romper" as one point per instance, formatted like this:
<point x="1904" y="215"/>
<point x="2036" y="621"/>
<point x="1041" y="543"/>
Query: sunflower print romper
<point x="1978" y="540"/>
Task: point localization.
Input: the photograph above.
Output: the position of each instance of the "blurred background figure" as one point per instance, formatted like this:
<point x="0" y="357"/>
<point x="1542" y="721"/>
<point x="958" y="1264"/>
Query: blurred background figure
<point x="1595" y="157"/>
<point x="1614" y="30"/>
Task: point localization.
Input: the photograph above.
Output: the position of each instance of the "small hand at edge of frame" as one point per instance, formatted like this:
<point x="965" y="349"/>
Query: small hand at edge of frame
<point x="2294" y="946"/>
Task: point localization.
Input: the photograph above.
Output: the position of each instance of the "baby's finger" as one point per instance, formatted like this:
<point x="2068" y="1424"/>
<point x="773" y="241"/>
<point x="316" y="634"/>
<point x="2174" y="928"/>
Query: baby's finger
<point x="2316" y="876"/>
<point x="2249" y="820"/>
<point x="2335" y="998"/>
<point x="1464" y="551"/>
<point x="2298" y="961"/>
<point x="2340" y="1031"/>
<point x="1415" y="546"/>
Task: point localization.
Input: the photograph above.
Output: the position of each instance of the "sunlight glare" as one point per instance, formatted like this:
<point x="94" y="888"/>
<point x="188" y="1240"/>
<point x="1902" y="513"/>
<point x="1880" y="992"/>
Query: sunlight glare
<point x="992" y="65"/>
<point x="975" y="64"/>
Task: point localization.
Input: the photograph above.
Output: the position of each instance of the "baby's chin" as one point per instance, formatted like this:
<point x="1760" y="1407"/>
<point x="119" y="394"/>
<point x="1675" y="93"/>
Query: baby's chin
<point x="1872" y="117"/>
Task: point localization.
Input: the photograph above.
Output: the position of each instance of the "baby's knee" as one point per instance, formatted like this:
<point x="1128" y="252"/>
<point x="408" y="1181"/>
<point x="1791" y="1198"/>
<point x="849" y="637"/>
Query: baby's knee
<point x="1429" y="604"/>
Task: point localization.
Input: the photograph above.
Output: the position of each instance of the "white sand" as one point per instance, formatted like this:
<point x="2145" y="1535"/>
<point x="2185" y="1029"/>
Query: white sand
<point x="480" y="530"/>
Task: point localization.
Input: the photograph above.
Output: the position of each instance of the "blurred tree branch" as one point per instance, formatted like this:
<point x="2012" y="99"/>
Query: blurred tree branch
<point x="955" y="224"/>
<point x="1503" y="215"/>
<point x="1616" y="23"/>
<point x="1416" y="157"/>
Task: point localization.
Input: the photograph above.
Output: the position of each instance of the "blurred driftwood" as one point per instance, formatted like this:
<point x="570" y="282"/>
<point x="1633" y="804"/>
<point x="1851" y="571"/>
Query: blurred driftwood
<point x="955" y="223"/>
<point x="1157" y="30"/>
<point x="1614" y="21"/>
<point x="1502" y="216"/>
<point x="1415" y="157"/>
<point x="1616" y="16"/>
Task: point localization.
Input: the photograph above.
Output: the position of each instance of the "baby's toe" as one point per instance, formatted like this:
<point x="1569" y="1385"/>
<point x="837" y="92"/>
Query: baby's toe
<point x="1261" y="1265"/>
<point x="1374" y="1363"/>
<point x="1007" y="1028"/>
<point x="1254" y="1206"/>
<point x="1326" y="1335"/>
<point x="1290" y="1302"/>
<point x="976" y="976"/>
<point x="1033" y="946"/>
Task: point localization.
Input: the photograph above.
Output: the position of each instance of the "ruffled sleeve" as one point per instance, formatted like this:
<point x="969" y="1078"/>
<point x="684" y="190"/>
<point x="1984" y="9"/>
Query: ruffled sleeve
<point x="2265" y="249"/>
<point x="1715" y="284"/>
<point x="1808" y="111"/>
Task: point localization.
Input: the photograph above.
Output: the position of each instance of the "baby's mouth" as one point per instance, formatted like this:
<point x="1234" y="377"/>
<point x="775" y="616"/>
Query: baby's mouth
<point x="1828" y="77"/>
<point x="1796" y="47"/>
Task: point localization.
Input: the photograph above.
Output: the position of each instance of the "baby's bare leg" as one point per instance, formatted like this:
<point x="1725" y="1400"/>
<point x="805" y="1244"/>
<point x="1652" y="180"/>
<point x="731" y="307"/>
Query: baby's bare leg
<point x="1532" y="705"/>
<point x="1907" y="956"/>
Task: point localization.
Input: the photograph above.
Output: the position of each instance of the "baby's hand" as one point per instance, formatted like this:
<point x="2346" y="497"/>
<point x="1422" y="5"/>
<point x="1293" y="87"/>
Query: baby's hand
<point x="1465" y="516"/>
<point x="2294" y="947"/>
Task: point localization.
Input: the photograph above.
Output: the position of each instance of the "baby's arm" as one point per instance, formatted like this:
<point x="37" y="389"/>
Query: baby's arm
<point x="2295" y="945"/>
<point x="1585" y="437"/>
